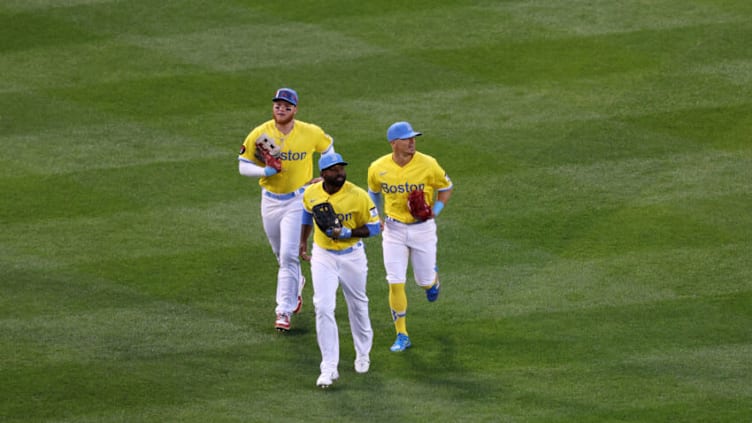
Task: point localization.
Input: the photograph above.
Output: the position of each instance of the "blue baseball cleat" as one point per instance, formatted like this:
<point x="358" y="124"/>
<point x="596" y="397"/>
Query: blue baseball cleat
<point x="401" y="343"/>
<point x="432" y="293"/>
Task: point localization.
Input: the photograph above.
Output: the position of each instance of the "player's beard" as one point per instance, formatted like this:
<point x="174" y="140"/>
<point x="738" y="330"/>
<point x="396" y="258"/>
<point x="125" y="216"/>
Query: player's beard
<point x="285" y="120"/>
<point x="336" y="182"/>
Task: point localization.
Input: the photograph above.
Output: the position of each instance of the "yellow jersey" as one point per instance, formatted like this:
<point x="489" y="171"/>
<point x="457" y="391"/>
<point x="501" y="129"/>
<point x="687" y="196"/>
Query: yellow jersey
<point x="297" y="154"/>
<point x="395" y="182"/>
<point x="353" y="206"/>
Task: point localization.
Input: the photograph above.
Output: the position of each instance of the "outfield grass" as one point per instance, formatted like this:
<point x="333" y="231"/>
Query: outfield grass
<point x="594" y="256"/>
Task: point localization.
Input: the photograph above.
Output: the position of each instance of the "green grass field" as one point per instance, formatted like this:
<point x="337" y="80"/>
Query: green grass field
<point x="595" y="256"/>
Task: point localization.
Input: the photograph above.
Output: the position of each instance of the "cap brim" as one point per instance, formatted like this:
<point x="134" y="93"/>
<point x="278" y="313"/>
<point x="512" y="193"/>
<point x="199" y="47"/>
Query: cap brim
<point x="335" y="164"/>
<point x="286" y="100"/>
<point x="408" y="136"/>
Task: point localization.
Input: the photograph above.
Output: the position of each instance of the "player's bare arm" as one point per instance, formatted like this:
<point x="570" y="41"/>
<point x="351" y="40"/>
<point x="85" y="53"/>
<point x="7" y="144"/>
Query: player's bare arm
<point x="305" y="233"/>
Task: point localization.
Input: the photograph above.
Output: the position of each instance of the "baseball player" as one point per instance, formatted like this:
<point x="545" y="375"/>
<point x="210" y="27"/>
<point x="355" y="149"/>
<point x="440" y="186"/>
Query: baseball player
<point x="280" y="153"/>
<point x="343" y="213"/>
<point x="392" y="178"/>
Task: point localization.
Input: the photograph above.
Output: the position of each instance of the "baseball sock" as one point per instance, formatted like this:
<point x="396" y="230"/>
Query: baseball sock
<point x="398" y="304"/>
<point x="435" y="281"/>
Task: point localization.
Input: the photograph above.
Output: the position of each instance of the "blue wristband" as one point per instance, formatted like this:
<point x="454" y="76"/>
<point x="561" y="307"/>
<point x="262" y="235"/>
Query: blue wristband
<point x="437" y="207"/>
<point x="269" y="171"/>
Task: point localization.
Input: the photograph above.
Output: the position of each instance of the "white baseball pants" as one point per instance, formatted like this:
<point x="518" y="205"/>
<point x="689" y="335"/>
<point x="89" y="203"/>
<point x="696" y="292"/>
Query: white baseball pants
<point x="281" y="216"/>
<point x="410" y="242"/>
<point x="349" y="270"/>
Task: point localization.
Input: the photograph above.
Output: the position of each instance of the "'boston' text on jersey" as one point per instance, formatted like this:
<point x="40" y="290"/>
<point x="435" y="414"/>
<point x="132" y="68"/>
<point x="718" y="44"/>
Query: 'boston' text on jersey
<point x="293" y="155"/>
<point x="392" y="189"/>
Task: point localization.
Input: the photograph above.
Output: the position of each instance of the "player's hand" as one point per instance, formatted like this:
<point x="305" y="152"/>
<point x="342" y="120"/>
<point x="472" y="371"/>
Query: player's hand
<point x="303" y="252"/>
<point x="339" y="233"/>
<point x="314" y="180"/>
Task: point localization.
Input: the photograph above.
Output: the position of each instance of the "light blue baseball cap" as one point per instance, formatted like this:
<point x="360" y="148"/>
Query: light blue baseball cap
<point x="401" y="131"/>
<point x="328" y="160"/>
<point x="287" y="94"/>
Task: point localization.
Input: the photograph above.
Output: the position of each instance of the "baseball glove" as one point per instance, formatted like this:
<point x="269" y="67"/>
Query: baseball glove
<point x="325" y="217"/>
<point x="268" y="152"/>
<point x="419" y="208"/>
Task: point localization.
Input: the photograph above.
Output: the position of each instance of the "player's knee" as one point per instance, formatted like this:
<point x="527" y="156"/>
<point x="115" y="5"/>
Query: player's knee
<point x="289" y="259"/>
<point x="323" y="309"/>
<point x="426" y="280"/>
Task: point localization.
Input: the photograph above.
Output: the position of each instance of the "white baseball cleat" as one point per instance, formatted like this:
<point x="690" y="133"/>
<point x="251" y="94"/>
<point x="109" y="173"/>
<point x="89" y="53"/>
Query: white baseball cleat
<point x="282" y="324"/>
<point x="326" y="379"/>
<point x="362" y="364"/>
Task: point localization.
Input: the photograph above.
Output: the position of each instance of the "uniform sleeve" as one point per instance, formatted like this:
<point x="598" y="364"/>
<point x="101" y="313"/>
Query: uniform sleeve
<point x="441" y="179"/>
<point x="304" y="198"/>
<point x="376" y="198"/>
<point x="374" y="224"/>
<point x="325" y="144"/>
<point x="372" y="210"/>
<point x="307" y="218"/>
<point x="250" y="169"/>
<point x="373" y="184"/>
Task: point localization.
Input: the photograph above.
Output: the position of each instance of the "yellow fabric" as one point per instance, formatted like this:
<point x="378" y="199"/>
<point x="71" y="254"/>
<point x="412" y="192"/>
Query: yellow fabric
<point x="395" y="182"/>
<point x="353" y="207"/>
<point x="427" y="287"/>
<point x="297" y="149"/>
<point x="398" y="304"/>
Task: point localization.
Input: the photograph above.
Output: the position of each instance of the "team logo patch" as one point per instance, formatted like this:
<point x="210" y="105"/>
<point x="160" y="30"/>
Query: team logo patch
<point x="242" y="149"/>
<point x="374" y="212"/>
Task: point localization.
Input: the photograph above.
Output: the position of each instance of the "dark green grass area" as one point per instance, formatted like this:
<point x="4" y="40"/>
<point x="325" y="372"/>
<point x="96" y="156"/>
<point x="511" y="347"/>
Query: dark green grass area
<point x="23" y="31"/>
<point x="593" y="257"/>
<point x="110" y="191"/>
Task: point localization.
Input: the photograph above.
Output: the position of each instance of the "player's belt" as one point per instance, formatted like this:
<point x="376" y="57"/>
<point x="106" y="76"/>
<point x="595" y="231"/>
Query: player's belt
<point x="287" y="196"/>
<point x="346" y="250"/>
<point x="417" y="222"/>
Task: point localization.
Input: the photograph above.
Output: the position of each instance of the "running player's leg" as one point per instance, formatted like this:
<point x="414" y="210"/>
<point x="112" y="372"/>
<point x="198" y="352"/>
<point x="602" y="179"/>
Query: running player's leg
<point x="423" y="241"/>
<point x="271" y="217"/>
<point x="325" y="282"/>
<point x="289" y="274"/>
<point x="396" y="256"/>
<point x="353" y="276"/>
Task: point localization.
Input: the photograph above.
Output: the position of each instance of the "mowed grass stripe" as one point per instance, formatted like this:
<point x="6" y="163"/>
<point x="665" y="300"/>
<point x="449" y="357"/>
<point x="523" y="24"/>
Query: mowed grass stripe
<point x="133" y="333"/>
<point x="141" y="233"/>
<point x="546" y="283"/>
<point x="83" y="63"/>
<point x="686" y="180"/>
<point x="737" y="71"/>
<point x="162" y="385"/>
<point x="115" y="146"/>
<point x="214" y="92"/>
<point x="583" y="17"/>
<point x="30" y="112"/>
<point x="682" y="178"/>
<point x="257" y="46"/>
<point x="592" y="112"/>
<point x="26" y="31"/>
<point x="135" y="188"/>
<point x="605" y="335"/>
<point x="109" y="18"/>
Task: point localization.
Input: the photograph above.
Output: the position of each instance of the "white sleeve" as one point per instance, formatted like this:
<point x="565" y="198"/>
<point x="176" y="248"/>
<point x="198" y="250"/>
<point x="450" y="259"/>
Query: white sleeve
<point x="329" y="150"/>
<point x="250" y="169"/>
